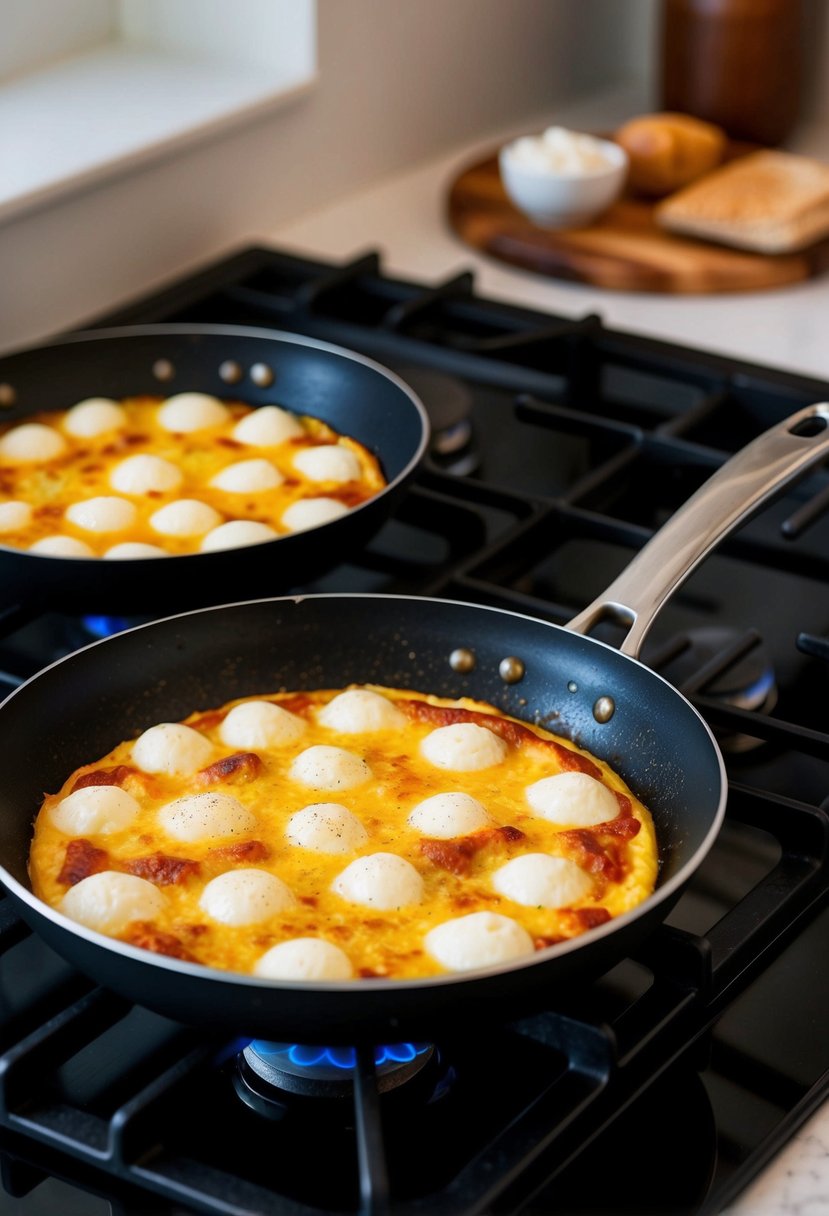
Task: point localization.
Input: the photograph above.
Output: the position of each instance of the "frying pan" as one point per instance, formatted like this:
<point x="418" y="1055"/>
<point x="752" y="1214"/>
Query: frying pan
<point x="605" y="699"/>
<point x="354" y="395"/>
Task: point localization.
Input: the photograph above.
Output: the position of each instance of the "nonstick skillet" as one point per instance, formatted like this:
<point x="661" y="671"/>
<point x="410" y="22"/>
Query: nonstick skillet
<point x="354" y="395"/>
<point x="607" y="701"/>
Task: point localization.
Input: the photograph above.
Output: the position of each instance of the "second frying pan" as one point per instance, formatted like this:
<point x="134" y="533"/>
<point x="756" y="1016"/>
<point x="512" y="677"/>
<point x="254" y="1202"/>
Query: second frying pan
<point x="354" y="395"/>
<point x="607" y="701"/>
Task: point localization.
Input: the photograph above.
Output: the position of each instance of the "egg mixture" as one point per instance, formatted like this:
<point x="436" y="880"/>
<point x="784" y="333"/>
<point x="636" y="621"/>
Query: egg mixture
<point x="336" y="834"/>
<point x="148" y="476"/>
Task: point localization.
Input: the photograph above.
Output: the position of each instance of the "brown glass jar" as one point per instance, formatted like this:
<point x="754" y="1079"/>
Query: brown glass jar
<point x="736" y="63"/>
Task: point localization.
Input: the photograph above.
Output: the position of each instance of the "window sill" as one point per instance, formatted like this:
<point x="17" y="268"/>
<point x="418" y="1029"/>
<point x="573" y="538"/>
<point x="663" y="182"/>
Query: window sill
<point x="111" y="110"/>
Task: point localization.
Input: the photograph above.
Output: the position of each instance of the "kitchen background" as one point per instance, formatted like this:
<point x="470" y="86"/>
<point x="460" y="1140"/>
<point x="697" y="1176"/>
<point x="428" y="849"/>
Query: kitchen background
<point x="396" y="84"/>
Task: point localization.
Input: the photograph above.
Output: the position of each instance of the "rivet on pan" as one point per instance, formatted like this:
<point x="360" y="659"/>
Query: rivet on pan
<point x="163" y="369"/>
<point x="572" y="686"/>
<point x="462" y="660"/>
<point x="231" y="371"/>
<point x="262" y="375"/>
<point x="7" y="395"/>
<point x="511" y="670"/>
<point x="604" y="709"/>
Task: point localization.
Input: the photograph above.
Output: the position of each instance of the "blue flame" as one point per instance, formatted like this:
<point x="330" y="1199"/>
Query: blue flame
<point x="344" y="1058"/>
<point x="102" y="626"/>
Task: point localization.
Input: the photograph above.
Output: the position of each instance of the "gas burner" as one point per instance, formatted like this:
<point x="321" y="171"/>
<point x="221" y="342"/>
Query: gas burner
<point x="726" y="666"/>
<point x="449" y="403"/>
<point x="268" y="1071"/>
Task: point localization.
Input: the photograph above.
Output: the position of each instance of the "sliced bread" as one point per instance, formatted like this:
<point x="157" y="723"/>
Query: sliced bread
<point x="768" y="201"/>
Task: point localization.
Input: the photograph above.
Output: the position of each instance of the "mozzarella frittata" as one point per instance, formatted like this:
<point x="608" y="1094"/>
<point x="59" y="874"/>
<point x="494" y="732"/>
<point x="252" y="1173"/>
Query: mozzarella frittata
<point x="344" y="833"/>
<point x="149" y="476"/>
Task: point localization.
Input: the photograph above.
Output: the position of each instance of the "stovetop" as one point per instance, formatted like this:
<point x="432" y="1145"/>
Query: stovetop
<point x="667" y="1085"/>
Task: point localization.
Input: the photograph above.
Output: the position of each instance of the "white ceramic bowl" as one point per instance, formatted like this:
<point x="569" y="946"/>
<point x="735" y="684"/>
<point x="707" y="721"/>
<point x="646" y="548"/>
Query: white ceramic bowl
<point x="562" y="198"/>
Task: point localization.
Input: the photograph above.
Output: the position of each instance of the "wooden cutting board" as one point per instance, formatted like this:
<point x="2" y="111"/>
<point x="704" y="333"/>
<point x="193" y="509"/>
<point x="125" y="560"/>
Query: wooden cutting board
<point x="624" y="250"/>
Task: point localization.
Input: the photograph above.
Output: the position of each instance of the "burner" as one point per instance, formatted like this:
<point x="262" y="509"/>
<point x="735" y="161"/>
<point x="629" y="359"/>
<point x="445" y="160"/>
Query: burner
<point x="701" y="661"/>
<point x="448" y="402"/>
<point x="268" y="1071"/>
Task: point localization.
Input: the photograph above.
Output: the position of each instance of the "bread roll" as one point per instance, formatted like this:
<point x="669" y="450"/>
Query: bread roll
<point x="668" y="151"/>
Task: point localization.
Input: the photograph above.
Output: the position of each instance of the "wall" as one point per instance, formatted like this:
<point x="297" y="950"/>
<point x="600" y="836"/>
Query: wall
<point x="398" y="83"/>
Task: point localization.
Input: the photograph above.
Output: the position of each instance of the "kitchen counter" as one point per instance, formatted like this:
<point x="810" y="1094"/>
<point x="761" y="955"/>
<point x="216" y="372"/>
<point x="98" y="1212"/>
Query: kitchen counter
<point x="403" y="218"/>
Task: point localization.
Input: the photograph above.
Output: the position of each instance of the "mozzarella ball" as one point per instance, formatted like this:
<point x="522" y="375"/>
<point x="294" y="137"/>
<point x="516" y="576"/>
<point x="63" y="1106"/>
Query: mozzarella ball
<point x="144" y="474"/>
<point x="30" y="443"/>
<point x="185" y="517"/>
<point x="481" y="939"/>
<point x="358" y="710"/>
<point x="311" y="512"/>
<point x="111" y="901"/>
<point x="537" y="880"/>
<point x="267" y="426"/>
<point x="95" y="416"/>
<point x="102" y="514"/>
<point x="61" y="546"/>
<point x="186" y="412"/>
<point x="574" y="799"/>
<point x="94" y="810"/>
<point x="260" y="724"/>
<point x="330" y="462"/>
<point x="445" y="816"/>
<point x="304" y="958"/>
<point x="247" y="477"/>
<point x="236" y="534"/>
<point x="134" y="548"/>
<point x="329" y="768"/>
<point x="326" y="827"/>
<point x="380" y="880"/>
<point x="245" y="897"/>
<point x="14" y="516"/>
<point x="171" y="747"/>
<point x="463" y="747"/>
<point x="203" y="816"/>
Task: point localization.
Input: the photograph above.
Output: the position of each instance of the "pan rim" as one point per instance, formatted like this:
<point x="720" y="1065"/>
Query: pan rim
<point x="201" y="971"/>
<point x="182" y="329"/>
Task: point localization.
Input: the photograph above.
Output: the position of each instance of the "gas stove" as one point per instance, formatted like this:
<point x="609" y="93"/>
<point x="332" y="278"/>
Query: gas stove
<point x="666" y="1086"/>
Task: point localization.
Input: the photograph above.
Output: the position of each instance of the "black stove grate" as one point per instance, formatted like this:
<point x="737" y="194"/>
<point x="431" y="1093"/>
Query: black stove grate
<point x="583" y="440"/>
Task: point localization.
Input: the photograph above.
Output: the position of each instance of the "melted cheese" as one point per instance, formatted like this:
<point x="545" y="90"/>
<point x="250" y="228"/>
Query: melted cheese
<point x="408" y="870"/>
<point x="194" y="474"/>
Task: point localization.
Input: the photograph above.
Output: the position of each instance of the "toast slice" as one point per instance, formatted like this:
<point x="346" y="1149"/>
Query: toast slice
<point x="767" y="201"/>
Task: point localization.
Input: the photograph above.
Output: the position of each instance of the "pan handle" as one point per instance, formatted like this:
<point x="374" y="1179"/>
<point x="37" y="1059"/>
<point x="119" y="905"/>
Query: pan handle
<point x="754" y="475"/>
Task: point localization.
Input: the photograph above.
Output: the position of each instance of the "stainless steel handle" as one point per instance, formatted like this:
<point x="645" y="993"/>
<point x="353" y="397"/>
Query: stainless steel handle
<point x="755" y="474"/>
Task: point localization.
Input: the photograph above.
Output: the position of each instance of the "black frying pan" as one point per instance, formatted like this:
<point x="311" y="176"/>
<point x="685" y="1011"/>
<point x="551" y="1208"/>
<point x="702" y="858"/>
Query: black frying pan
<point x="606" y="700"/>
<point x="356" y="396"/>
